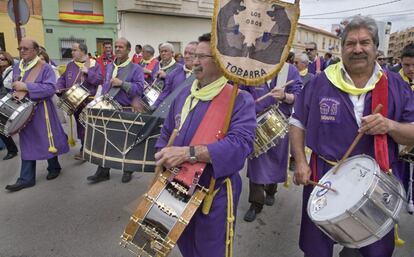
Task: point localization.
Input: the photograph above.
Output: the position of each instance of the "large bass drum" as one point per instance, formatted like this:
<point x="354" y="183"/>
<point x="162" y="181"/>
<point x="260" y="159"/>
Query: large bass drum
<point x="121" y="140"/>
<point x="364" y="209"/>
<point x="14" y="114"/>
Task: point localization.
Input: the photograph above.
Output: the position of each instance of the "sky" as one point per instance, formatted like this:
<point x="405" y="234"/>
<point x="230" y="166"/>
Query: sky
<point x="399" y="12"/>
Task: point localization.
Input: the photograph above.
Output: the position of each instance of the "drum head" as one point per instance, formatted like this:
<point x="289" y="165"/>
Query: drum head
<point x="353" y="178"/>
<point x="19" y="118"/>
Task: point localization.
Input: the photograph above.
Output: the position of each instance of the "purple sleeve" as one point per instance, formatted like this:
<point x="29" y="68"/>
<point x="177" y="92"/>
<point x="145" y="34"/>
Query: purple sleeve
<point x="94" y="75"/>
<point x="44" y="88"/>
<point x="407" y="99"/>
<point x="172" y="80"/>
<point x="61" y="82"/>
<point x="228" y="155"/>
<point x="136" y="82"/>
<point x="303" y="101"/>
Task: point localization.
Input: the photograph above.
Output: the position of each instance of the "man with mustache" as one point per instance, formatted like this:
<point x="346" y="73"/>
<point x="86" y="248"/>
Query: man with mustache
<point x="333" y="108"/>
<point x="316" y="63"/>
<point x="206" y="234"/>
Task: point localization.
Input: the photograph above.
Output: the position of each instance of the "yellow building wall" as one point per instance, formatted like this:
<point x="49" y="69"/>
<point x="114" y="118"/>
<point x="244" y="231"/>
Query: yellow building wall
<point x="33" y="29"/>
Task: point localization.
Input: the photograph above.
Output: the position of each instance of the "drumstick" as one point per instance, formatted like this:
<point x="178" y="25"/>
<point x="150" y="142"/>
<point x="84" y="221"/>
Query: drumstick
<point x="354" y="143"/>
<point x="322" y="186"/>
<point x="266" y="95"/>
<point x="158" y="169"/>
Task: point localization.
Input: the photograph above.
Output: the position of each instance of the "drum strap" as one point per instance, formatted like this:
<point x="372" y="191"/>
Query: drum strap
<point x="380" y="96"/>
<point x="209" y="131"/>
<point x="115" y="90"/>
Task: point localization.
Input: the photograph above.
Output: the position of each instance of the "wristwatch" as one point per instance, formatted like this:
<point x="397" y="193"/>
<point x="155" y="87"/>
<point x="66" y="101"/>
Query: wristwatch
<point x="193" y="157"/>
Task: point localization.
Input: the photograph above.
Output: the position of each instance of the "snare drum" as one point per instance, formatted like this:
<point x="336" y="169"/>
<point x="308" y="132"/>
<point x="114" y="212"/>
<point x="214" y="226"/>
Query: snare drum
<point x="160" y="219"/>
<point x="364" y="209"/>
<point x="272" y="126"/>
<point x="103" y="102"/>
<point x="149" y="97"/>
<point x="73" y="98"/>
<point x="14" y="114"/>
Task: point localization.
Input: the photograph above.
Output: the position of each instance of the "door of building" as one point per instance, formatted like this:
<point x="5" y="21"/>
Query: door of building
<point x="99" y="45"/>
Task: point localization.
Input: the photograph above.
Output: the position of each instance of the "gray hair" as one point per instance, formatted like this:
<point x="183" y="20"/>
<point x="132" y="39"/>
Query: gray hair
<point x="168" y="45"/>
<point x="303" y="58"/>
<point x="149" y="49"/>
<point x="83" y="47"/>
<point x="362" y="22"/>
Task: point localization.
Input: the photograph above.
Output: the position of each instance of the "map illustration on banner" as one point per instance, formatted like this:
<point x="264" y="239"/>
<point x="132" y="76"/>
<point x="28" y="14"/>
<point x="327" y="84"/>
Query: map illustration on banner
<point x="252" y="38"/>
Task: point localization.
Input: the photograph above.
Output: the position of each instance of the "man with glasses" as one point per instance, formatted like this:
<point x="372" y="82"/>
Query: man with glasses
<point x="206" y="234"/>
<point x="316" y="63"/>
<point x="82" y="71"/>
<point x="43" y="137"/>
<point x="382" y="60"/>
<point x="337" y="105"/>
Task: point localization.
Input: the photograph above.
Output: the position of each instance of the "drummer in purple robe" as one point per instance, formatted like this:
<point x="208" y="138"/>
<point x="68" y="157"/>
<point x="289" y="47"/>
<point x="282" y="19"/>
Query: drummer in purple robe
<point x="206" y="234"/>
<point x="85" y="72"/>
<point x="167" y="74"/>
<point x="270" y="168"/>
<point x="331" y="110"/>
<point x="128" y="78"/>
<point x="43" y="137"/>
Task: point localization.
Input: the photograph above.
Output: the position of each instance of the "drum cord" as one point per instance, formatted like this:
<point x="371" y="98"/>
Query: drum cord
<point x="52" y="148"/>
<point x="230" y="219"/>
<point x="71" y="139"/>
<point x="410" y="206"/>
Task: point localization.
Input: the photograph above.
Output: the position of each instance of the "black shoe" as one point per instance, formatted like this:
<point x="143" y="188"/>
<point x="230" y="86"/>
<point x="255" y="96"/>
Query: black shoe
<point x="126" y="177"/>
<point x="52" y="175"/>
<point x="250" y="215"/>
<point x="18" y="186"/>
<point x="269" y="200"/>
<point x="9" y="156"/>
<point x="97" y="178"/>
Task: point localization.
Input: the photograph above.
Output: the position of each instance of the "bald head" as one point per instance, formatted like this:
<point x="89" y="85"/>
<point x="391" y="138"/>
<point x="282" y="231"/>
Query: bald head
<point x="28" y="49"/>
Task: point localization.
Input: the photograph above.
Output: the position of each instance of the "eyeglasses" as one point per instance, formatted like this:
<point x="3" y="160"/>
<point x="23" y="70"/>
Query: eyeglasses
<point x="23" y="49"/>
<point x="380" y="59"/>
<point x="309" y="49"/>
<point x="202" y="56"/>
<point x="3" y="59"/>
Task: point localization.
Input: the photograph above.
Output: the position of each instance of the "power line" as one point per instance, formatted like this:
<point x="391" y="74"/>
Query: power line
<point x="354" y="9"/>
<point x="372" y="15"/>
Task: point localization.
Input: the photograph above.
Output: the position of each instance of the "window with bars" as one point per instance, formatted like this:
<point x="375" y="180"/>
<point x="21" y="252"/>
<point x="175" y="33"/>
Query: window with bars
<point x="66" y="46"/>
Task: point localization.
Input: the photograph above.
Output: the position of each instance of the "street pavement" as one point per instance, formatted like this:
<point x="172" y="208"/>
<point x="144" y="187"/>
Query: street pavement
<point x="67" y="217"/>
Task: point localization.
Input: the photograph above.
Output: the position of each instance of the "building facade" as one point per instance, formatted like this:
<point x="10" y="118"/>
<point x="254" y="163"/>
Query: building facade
<point x="155" y="21"/>
<point x="33" y="28"/>
<point x="67" y="21"/>
<point x="326" y="41"/>
<point x="398" y="40"/>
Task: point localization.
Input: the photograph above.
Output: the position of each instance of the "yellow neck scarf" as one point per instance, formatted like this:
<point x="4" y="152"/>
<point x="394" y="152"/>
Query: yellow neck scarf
<point x="115" y="71"/>
<point x="147" y="61"/>
<point x="334" y="75"/>
<point x="81" y="64"/>
<point x="168" y="65"/>
<point x="30" y="65"/>
<point x="206" y="93"/>
<point x="406" y="79"/>
<point x="303" y="72"/>
<point x="187" y="71"/>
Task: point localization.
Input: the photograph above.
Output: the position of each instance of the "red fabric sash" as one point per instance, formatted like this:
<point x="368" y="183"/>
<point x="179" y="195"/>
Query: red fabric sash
<point x="380" y="96"/>
<point x="318" y="65"/>
<point x="209" y="131"/>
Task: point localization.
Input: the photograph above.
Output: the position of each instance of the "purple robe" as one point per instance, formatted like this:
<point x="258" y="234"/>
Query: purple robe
<point x="330" y="137"/>
<point x="205" y="234"/>
<point x="312" y="65"/>
<point x="271" y="167"/>
<point x="34" y="142"/>
<point x="172" y="80"/>
<point x="91" y="82"/>
<point x="134" y="80"/>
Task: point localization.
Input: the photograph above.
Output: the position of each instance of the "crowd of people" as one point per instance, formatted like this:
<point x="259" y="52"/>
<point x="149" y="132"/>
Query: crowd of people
<point x="189" y="85"/>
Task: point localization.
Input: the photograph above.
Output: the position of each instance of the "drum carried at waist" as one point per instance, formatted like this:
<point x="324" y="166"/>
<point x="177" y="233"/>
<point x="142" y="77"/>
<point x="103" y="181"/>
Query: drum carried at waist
<point x="366" y="206"/>
<point x="104" y="102"/>
<point x="121" y="140"/>
<point x="150" y="95"/>
<point x="272" y="126"/>
<point x="14" y="114"/>
<point x="72" y="99"/>
<point x="406" y="153"/>
<point x="160" y="218"/>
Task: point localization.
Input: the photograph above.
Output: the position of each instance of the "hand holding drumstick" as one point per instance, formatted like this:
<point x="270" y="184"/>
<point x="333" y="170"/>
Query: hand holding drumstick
<point x="277" y="92"/>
